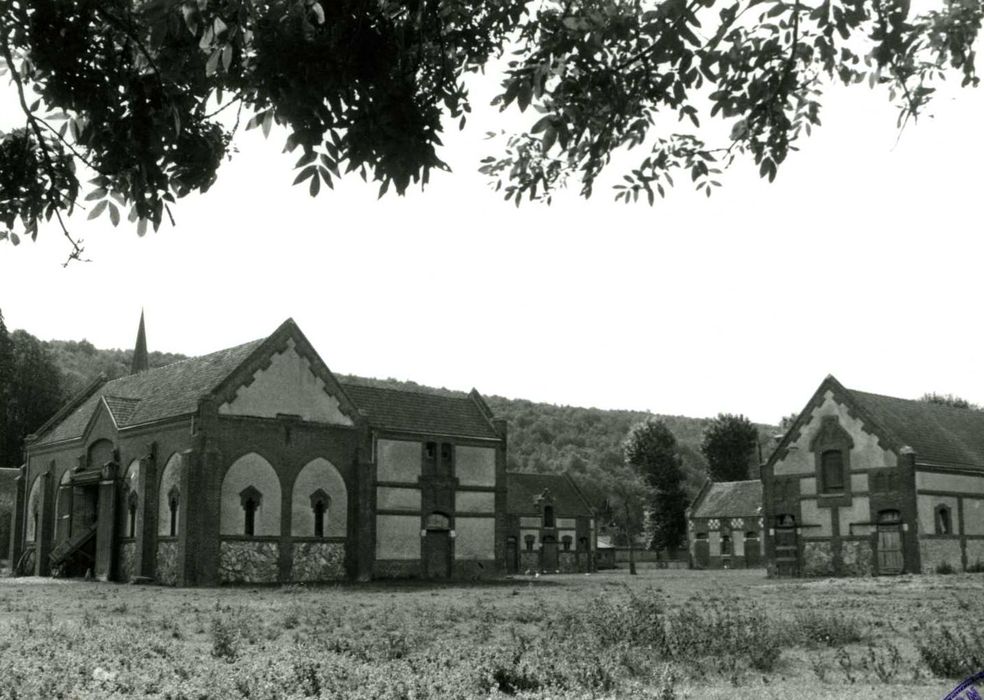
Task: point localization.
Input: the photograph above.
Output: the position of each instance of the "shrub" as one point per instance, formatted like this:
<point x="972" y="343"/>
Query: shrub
<point x="883" y="660"/>
<point x="977" y="567"/>
<point x="944" y="568"/>
<point x="950" y="654"/>
<point x="814" y="627"/>
<point x="225" y="640"/>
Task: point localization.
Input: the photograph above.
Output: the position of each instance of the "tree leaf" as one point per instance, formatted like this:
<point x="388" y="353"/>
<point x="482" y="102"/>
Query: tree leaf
<point x="99" y="209"/>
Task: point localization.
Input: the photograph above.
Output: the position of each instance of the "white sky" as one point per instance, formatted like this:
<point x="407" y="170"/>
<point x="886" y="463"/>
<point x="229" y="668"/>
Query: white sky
<point x="862" y="260"/>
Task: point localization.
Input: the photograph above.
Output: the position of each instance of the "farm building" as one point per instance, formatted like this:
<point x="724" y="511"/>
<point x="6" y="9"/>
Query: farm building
<point x="254" y="464"/>
<point x="550" y="525"/>
<point x="867" y="484"/>
<point x="724" y="525"/>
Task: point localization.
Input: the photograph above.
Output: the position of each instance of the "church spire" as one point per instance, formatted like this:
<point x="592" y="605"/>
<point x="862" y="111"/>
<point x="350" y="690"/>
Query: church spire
<point x="141" y="361"/>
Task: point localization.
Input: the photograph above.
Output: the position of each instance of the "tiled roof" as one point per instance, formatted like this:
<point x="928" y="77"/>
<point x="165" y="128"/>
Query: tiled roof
<point x="523" y="490"/>
<point x="730" y="499"/>
<point x="414" y="412"/>
<point x="155" y="394"/>
<point x="939" y="434"/>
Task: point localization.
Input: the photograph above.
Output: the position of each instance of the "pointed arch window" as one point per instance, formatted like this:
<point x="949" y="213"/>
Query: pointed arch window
<point x="250" y="499"/>
<point x="944" y="522"/>
<point x="832" y="471"/>
<point x="173" y="501"/>
<point x="320" y="503"/>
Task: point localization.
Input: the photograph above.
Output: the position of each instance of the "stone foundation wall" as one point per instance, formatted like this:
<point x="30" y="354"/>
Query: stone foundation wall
<point x="975" y="552"/>
<point x="125" y="556"/>
<point x="167" y="563"/>
<point x="529" y="561"/>
<point x="243" y="561"/>
<point x="567" y="562"/>
<point x="935" y="552"/>
<point x="818" y="559"/>
<point x="318" y="561"/>
<point x="857" y="557"/>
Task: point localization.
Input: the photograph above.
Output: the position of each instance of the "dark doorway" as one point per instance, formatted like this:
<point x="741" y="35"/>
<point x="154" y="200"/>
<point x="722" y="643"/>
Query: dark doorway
<point x="787" y="549"/>
<point x="512" y="555"/>
<point x="438" y="554"/>
<point x="890" y="559"/>
<point x="549" y="562"/>
<point x="702" y="552"/>
<point x="753" y="556"/>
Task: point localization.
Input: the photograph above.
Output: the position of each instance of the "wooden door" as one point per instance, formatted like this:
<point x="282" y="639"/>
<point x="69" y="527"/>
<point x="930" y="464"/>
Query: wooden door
<point x="702" y="553"/>
<point x="787" y="551"/>
<point x="549" y="562"/>
<point x="438" y="554"/>
<point x="890" y="560"/>
<point x="753" y="550"/>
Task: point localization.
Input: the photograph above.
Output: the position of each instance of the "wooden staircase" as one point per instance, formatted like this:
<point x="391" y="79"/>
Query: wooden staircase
<point x="73" y="544"/>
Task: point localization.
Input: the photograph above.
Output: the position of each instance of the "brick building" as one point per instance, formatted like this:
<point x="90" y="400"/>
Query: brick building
<point x="867" y="484"/>
<point x="551" y="526"/>
<point x="254" y="464"/>
<point x="724" y="525"/>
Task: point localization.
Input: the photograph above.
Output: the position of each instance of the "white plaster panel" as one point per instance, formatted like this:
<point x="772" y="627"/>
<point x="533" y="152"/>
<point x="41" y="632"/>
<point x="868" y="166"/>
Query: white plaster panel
<point x="973" y="516"/>
<point x="474" y="538"/>
<point x="397" y="460"/>
<point x="474" y="466"/>
<point x="288" y="385"/>
<point x="858" y="512"/>
<point x="867" y="452"/>
<point x="389" y="498"/>
<point x="567" y="522"/>
<point x="529" y="521"/>
<point x="859" y="483"/>
<point x="738" y="543"/>
<point x="961" y="483"/>
<point x="808" y="486"/>
<point x="170" y="479"/>
<point x="397" y="537"/>
<point x="926" y="505"/>
<point x="474" y="502"/>
<point x="319" y="474"/>
<point x="714" y="543"/>
<point x="813" y="515"/>
<point x="251" y="470"/>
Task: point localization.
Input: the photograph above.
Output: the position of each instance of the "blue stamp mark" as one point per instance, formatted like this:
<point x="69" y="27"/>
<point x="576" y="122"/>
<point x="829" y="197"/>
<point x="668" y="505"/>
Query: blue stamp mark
<point x="968" y="690"/>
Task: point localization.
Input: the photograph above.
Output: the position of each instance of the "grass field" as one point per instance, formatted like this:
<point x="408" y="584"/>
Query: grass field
<point x="662" y="634"/>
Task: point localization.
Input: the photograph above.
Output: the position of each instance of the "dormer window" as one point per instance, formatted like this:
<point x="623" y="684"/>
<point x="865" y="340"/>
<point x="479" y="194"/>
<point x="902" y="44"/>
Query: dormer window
<point x="832" y="471"/>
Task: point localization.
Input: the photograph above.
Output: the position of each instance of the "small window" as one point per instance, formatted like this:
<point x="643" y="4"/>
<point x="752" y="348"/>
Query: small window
<point x="131" y="510"/>
<point x="529" y="540"/>
<point x="567" y="541"/>
<point x="785" y="521"/>
<point x="832" y="470"/>
<point x="751" y="535"/>
<point x="319" y="519"/>
<point x="943" y="523"/>
<point x="548" y="516"/>
<point x="582" y="543"/>
<point x="430" y="450"/>
<point x="889" y="517"/>
<point x="447" y="452"/>
<point x="250" y="499"/>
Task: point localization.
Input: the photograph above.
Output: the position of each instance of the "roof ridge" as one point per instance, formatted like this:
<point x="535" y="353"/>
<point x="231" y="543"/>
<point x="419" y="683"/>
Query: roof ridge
<point x="931" y="404"/>
<point x="194" y="358"/>
<point x="407" y="391"/>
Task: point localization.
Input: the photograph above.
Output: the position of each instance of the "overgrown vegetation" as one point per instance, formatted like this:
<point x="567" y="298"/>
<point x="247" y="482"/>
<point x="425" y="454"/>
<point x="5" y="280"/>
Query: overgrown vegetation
<point x="663" y="634"/>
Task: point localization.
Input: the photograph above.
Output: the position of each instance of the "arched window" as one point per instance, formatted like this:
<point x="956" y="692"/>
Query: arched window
<point x="548" y="516"/>
<point x="567" y="541"/>
<point x="319" y="505"/>
<point x="529" y="540"/>
<point x="944" y="525"/>
<point x="250" y="499"/>
<point x="832" y="470"/>
<point x="131" y="512"/>
<point x="173" y="499"/>
<point x="889" y="517"/>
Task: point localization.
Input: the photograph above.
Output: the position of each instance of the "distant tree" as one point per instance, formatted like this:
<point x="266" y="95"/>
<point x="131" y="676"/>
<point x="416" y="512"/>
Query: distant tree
<point x="730" y="446"/>
<point x="651" y="450"/>
<point x="33" y="394"/>
<point x="6" y="381"/>
<point x="786" y="422"/>
<point x="628" y="495"/>
<point x="949" y="400"/>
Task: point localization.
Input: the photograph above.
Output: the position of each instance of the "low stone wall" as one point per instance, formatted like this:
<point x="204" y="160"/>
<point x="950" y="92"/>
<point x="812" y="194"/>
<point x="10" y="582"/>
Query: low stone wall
<point x="567" y="562"/>
<point x="166" y="569"/>
<point x="395" y="568"/>
<point x="245" y="561"/>
<point x="125" y="556"/>
<point x="935" y="552"/>
<point x="818" y="558"/>
<point x="318" y="561"/>
<point x="857" y="557"/>
<point x="529" y="562"/>
<point x="975" y="552"/>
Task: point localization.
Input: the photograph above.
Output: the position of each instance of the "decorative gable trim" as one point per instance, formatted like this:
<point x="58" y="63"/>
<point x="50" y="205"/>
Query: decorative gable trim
<point x="287" y="335"/>
<point x="101" y="407"/>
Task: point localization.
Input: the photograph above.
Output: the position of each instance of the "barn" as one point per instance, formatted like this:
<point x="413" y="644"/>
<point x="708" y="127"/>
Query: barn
<point x="724" y="525"/>
<point x="254" y="464"/>
<point x="866" y="484"/>
<point x="551" y="526"/>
